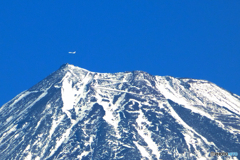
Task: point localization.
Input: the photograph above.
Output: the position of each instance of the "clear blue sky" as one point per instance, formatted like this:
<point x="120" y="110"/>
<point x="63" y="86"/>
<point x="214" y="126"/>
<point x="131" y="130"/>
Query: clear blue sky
<point x="196" y="39"/>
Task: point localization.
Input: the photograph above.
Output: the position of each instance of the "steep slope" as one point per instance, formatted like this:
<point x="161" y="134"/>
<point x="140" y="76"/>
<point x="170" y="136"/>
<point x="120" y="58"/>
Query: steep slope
<point x="78" y="114"/>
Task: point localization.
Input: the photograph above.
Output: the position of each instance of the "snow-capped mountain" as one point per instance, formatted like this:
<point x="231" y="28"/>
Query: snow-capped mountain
<point x="78" y="114"/>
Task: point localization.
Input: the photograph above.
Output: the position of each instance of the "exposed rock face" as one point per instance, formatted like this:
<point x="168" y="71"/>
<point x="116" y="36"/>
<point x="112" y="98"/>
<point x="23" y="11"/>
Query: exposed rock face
<point x="78" y="114"/>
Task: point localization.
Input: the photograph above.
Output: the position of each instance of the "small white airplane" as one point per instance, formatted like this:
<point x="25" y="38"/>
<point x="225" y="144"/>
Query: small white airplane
<point x="72" y="52"/>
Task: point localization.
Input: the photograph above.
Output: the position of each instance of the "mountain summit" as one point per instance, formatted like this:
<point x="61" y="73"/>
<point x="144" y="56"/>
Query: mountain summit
<point x="78" y="114"/>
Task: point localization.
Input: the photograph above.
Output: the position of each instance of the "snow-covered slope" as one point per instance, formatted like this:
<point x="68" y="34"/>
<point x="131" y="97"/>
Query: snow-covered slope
<point x="78" y="114"/>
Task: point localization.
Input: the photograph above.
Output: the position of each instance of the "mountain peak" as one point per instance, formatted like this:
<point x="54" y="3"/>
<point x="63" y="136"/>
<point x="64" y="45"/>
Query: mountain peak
<point x="77" y="114"/>
<point x="68" y="66"/>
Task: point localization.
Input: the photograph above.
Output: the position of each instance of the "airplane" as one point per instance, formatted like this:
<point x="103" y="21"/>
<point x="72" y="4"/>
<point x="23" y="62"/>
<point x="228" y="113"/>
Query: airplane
<point x="72" y="52"/>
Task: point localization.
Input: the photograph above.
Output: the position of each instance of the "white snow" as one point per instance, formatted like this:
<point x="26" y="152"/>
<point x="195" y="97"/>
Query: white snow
<point x="109" y="117"/>
<point x="59" y="142"/>
<point x="74" y="88"/>
<point x="170" y="93"/>
<point x="55" y="123"/>
<point x="116" y="90"/>
<point x="27" y="150"/>
<point x="72" y="94"/>
<point x="16" y="135"/>
<point x="217" y="95"/>
<point x="29" y="156"/>
<point x="142" y="150"/>
<point x="84" y="153"/>
<point x="9" y="119"/>
<point x="15" y="100"/>
<point x="39" y="97"/>
<point x="146" y="134"/>
<point x="37" y="158"/>
<point x="67" y="95"/>
<point x="10" y="129"/>
<point x="19" y="97"/>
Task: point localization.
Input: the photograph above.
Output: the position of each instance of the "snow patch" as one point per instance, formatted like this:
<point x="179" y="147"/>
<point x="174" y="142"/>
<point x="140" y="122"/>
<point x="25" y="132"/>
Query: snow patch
<point x="146" y="135"/>
<point x="29" y="156"/>
<point x="12" y="129"/>
<point x="83" y="154"/>
<point x="9" y="119"/>
<point x="67" y="96"/>
<point x="109" y="117"/>
<point x="142" y="150"/>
